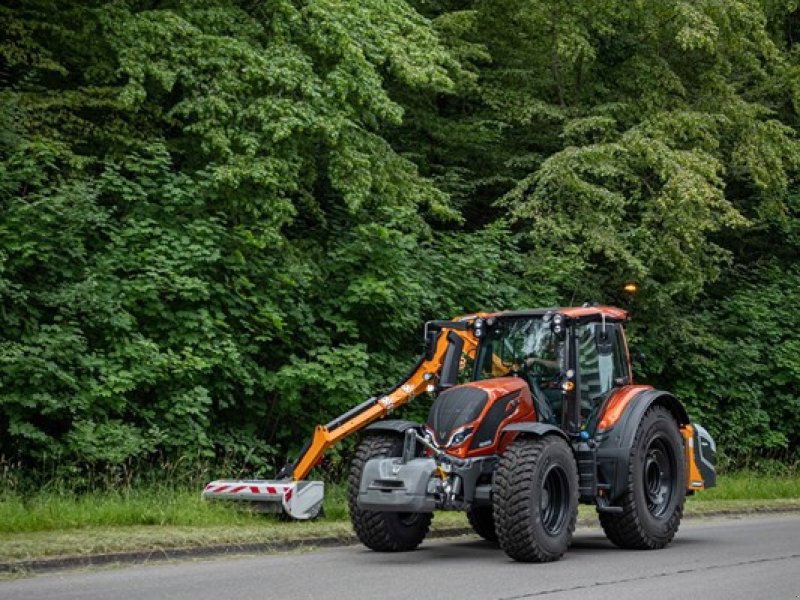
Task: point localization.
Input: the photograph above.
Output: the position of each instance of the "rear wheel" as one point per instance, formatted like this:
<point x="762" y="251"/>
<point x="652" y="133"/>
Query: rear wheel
<point x="383" y="531"/>
<point x="652" y="503"/>
<point x="481" y="518"/>
<point x="536" y="499"/>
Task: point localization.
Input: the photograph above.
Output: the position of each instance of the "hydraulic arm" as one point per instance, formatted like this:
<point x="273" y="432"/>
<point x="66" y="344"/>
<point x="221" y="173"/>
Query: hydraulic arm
<point x="449" y="344"/>
<point x="446" y="342"/>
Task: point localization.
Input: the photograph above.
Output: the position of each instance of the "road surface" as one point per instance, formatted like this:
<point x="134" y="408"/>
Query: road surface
<point x="756" y="557"/>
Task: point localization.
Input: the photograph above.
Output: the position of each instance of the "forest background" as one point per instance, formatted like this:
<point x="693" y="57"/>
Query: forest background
<point x="222" y="222"/>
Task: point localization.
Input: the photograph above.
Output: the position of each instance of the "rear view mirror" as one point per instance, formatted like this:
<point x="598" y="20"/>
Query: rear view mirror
<point x="431" y="337"/>
<point x="432" y="331"/>
<point x="450" y="366"/>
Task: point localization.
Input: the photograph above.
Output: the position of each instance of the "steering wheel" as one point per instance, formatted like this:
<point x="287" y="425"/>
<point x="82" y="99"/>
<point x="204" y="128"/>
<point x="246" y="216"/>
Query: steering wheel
<point x="531" y="365"/>
<point x="536" y="368"/>
<point x="545" y="376"/>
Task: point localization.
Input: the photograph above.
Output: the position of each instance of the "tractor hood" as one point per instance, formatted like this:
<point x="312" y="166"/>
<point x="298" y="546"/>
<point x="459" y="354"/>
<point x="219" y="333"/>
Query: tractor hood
<point x="465" y="419"/>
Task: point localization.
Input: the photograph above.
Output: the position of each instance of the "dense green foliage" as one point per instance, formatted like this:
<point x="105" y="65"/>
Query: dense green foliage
<point x="224" y="221"/>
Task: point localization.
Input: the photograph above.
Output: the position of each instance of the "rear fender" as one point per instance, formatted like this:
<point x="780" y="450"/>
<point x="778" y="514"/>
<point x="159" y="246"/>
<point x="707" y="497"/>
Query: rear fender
<point x="622" y="432"/>
<point x="615" y="443"/>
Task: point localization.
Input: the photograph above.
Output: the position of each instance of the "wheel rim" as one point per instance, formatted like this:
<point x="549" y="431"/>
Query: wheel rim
<point x="554" y="500"/>
<point x="659" y="477"/>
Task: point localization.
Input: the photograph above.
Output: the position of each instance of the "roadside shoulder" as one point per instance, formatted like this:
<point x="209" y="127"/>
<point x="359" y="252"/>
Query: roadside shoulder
<point x="28" y="554"/>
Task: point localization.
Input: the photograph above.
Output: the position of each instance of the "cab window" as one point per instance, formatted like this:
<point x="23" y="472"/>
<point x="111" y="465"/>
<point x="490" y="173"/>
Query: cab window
<point x="513" y="346"/>
<point x="598" y="350"/>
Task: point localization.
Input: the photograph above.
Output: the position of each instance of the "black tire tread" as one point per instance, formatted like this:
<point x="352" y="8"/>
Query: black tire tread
<point x="626" y="530"/>
<point x="372" y="527"/>
<point x="481" y="519"/>
<point x="514" y="480"/>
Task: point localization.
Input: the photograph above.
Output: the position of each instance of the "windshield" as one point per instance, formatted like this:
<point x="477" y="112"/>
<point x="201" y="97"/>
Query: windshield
<point x="520" y="346"/>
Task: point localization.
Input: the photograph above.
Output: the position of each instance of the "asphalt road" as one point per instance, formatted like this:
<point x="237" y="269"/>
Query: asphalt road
<point x="749" y="558"/>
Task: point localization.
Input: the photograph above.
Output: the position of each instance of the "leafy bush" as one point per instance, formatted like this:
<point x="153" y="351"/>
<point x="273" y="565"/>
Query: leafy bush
<point x="224" y="221"/>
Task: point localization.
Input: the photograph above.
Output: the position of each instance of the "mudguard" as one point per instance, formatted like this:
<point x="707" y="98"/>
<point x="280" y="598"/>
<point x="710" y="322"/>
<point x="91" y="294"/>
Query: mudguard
<point x="393" y="425"/>
<point x="615" y="443"/>
<point x="622" y="433"/>
<point x="539" y="429"/>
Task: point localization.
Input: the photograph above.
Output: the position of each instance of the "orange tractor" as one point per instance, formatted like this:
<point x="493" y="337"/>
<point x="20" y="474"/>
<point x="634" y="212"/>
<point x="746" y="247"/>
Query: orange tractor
<point x="535" y="411"/>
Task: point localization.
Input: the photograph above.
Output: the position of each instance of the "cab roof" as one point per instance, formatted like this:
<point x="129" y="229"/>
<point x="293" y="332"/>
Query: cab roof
<point x="612" y="313"/>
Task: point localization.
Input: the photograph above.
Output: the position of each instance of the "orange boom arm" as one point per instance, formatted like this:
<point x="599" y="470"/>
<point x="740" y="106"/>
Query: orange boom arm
<point x="424" y="374"/>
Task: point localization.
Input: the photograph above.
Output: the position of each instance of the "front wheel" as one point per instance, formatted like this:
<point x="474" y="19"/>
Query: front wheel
<point x="652" y="503"/>
<point x="377" y="530"/>
<point x="481" y="519"/>
<point x="536" y="499"/>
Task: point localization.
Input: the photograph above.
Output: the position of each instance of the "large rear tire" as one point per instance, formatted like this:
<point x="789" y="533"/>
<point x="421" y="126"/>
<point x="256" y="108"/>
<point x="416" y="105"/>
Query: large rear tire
<point x="481" y="518"/>
<point x="652" y="504"/>
<point x="383" y="531"/>
<point x="536" y="499"/>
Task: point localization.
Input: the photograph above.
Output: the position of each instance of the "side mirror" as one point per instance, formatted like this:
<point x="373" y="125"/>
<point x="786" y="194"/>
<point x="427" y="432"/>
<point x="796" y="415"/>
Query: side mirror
<point x="450" y="366"/>
<point x="604" y="344"/>
<point x="431" y="337"/>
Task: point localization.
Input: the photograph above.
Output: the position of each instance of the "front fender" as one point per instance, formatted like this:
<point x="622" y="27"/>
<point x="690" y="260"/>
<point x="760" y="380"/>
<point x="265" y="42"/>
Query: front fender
<point x="394" y="425"/>
<point x="539" y="429"/>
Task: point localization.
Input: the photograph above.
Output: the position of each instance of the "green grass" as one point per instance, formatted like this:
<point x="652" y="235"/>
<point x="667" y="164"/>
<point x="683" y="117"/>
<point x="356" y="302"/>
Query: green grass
<point x="748" y="485"/>
<point x="49" y="512"/>
<point x="180" y="507"/>
<point x="151" y="505"/>
<point x="155" y="517"/>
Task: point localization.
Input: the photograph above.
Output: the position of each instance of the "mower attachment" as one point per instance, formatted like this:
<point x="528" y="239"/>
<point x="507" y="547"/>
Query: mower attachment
<point x="298" y="499"/>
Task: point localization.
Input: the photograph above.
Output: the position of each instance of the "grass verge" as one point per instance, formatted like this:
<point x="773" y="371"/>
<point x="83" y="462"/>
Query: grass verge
<point x="157" y="518"/>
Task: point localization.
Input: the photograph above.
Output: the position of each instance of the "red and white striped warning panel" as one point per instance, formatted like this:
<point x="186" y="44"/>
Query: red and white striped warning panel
<point x="298" y="499"/>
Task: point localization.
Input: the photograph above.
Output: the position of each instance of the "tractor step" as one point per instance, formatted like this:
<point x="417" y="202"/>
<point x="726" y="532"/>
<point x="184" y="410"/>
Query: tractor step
<point x="604" y="507"/>
<point x="587" y="472"/>
<point x="299" y="499"/>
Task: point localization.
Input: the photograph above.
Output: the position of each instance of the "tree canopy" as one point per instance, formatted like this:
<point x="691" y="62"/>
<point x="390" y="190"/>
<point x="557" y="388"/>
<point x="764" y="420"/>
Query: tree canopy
<point x="224" y="220"/>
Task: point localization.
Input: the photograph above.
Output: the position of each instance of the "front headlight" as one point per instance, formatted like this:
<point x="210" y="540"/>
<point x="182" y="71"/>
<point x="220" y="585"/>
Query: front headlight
<point x="461" y="436"/>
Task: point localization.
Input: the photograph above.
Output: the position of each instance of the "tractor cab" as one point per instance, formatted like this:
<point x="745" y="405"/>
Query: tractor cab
<point x="571" y="359"/>
<point x="526" y="347"/>
<point x="554" y="367"/>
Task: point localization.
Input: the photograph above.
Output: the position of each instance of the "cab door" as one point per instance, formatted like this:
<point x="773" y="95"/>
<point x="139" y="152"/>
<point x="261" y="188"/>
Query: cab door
<point x="602" y="367"/>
